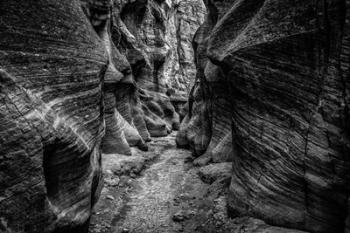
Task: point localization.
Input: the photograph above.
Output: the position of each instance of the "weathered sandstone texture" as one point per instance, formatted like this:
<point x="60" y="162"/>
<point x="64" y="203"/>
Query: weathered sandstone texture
<point x="150" y="64"/>
<point x="215" y="171"/>
<point x="155" y="37"/>
<point x="52" y="65"/>
<point x="273" y="78"/>
<point x="78" y="78"/>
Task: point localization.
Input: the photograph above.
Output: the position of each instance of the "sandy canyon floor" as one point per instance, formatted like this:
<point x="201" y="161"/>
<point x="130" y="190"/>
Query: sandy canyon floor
<point x="159" y="191"/>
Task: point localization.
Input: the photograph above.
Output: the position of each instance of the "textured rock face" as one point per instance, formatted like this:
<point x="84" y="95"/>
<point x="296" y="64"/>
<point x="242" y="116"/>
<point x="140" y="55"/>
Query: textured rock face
<point x="120" y="131"/>
<point x="273" y="75"/>
<point x="151" y="60"/>
<point x="183" y="19"/>
<point x="51" y="70"/>
<point x="155" y="38"/>
<point x="67" y="68"/>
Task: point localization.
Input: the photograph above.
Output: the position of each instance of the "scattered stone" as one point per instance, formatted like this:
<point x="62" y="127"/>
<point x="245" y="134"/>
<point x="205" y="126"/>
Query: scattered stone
<point x="215" y="171"/>
<point x="178" y="217"/>
<point x="109" y="172"/>
<point x="201" y="161"/>
<point x="176" y="201"/>
<point x="191" y="213"/>
<point x="125" y="230"/>
<point x="112" y="181"/>
<point x="123" y="165"/>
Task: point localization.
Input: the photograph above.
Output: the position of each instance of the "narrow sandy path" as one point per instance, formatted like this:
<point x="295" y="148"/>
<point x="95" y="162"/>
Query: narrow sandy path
<point x="151" y="203"/>
<point x="160" y="191"/>
<point x="168" y="186"/>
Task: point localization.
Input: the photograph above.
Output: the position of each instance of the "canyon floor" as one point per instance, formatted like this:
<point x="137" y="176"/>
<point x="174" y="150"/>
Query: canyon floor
<point x="159" y="191"/>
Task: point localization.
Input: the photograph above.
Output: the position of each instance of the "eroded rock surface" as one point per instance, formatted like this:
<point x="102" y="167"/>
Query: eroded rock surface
<point x="51" y="69"/>
<point x="149" y="32"/>
<point x="150" y="66"/>
<point x="273" y="76"/>
<point x="215" y="171"/>
<point x="167" y="196"/>
<point x="69" y="68"/>
<point x="156" y="39"/>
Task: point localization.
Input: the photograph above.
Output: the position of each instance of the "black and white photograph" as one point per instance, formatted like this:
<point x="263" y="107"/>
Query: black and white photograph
<point x="174" y="116"/>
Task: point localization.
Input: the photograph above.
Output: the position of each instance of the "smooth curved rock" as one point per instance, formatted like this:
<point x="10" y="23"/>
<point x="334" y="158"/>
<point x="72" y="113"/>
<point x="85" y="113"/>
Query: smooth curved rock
<point x="281" y="68"/>
<point x="155" y="37"/>
<point x="68" y="67"/>
<point x="144" y="67"/>
<point x="213" y="172"/>
<point x="52" y="67"/>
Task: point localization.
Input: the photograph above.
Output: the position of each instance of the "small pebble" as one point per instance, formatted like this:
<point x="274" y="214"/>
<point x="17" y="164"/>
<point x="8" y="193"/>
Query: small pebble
<point x="178" y="217"/>
<point x="109" y="172"/>
<point x="125" y="230"/>
<point x="109" y="197"/>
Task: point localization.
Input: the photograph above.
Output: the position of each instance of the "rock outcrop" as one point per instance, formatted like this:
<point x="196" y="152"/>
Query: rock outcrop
<point x="78" y="78"/>
<point x="273" y="76"/>
<point x="52" y="65"/>
<point x="151" y="62"/>
<point x="156" y="39"/>
<point x="215" y="171"/>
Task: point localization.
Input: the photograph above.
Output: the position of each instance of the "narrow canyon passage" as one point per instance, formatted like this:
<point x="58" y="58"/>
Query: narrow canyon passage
<point x="167" y="196"/>
<point x="161" y="191"/>
<point x="98" y="98"/>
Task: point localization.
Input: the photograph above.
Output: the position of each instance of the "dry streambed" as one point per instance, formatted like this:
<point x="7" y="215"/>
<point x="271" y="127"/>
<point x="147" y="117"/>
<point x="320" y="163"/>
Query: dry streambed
<point x="155" y="191"/>
<point x="160" y="191"/>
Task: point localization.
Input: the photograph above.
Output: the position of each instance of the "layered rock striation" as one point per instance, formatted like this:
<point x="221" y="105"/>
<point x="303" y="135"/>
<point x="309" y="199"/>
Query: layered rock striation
<point x="156" y="39"/>
<point x="78" y="78"/>
<point x="151" y="62"/>
<point x="52" y="66"/>
<point x="272" y="78"/>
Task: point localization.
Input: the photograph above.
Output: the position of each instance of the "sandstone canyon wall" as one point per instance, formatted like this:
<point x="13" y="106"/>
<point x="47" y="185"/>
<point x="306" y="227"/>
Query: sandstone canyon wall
<point x="78" y="78"/>
<point x="52" y="67"/>
<point x="150" y="45"/>
<point x="272" y="95"/>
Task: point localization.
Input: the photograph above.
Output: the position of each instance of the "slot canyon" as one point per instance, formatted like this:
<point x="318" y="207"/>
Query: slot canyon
<point x="166" y="116"/>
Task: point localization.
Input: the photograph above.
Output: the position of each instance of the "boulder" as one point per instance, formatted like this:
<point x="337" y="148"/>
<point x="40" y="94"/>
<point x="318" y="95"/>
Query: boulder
<point x="215" y="171"/>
